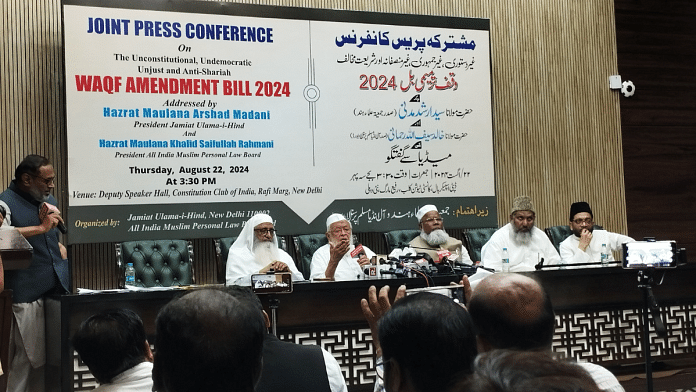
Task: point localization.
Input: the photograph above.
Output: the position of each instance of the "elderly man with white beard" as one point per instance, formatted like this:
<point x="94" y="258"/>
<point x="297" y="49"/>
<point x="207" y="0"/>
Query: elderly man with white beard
<point x="256" y="252"/>
<point x="526" y="245"/>
<point x="339" y="259"/>
<point x="434" y="238"/>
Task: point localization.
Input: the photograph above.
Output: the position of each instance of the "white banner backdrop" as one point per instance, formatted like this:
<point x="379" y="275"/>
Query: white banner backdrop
<point x="190" y="122"/>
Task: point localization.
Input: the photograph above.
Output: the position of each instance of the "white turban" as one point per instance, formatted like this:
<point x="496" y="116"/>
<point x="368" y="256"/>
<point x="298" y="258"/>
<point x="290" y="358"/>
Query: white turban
<point x="246" y="237"/>
<point x="333" y="218"/>
<point x="424" y="210"/>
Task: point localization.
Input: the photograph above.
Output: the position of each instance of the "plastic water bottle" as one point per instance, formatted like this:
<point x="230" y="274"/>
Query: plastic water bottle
<point x="130" y="275"/>
<point x="605" y="256"/>
<point x="506" y="261"/>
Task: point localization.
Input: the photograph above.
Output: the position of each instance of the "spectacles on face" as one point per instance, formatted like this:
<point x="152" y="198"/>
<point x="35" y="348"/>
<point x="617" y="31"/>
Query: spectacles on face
<point x="47" y="181"/>
<point x="265" y="231"/>
<point x="581" y="221"/>
<point x="433" y="220"/>
<point x="339" y="230"/>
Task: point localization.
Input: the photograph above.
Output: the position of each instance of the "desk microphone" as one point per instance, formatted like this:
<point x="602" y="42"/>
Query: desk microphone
<point x="541" y="264"/>
<point x="399" y="273"/>
<point x="50" y="209"/>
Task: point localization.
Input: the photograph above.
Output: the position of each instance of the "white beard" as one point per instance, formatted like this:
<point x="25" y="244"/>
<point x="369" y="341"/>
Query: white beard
<point x="436" y="237"/>
<point x="265" y="251"/>
<point x="522" y="237"/>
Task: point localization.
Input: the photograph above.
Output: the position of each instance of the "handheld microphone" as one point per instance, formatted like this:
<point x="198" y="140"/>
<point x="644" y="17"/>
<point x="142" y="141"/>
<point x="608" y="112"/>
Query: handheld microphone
<point x="46" y="208"/>
<point x="358" y="251"/>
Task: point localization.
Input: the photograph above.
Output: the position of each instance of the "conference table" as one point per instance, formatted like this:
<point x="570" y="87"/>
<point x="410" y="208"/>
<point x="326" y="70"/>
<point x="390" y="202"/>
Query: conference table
<point x="598" y="317"/>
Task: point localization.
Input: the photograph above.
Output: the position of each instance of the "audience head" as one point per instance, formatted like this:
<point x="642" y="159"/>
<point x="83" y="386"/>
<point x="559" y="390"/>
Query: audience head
<point x="512" y="311"/>
<point x="112" y="342"/>
<point x="3" y="214"/>
<point x="338" y="228"/>
<point x="526" y="371"/>
<point x="244" y="293"/>
<point x="208" y="340"/>
<point x="428" y="343"/>
<point x="35" y="176"/>
<point x="522" y="214"/>
<point x="581" y="218"/>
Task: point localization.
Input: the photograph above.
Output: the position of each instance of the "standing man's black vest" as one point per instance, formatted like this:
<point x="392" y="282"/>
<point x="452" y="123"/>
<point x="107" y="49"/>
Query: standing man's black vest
<point x="47" y="270"/>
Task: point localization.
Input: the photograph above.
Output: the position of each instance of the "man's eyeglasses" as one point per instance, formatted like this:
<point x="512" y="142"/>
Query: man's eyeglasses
<point x="581" y="221"/>
<point x="265" y="231"/>
<point x="379" y="368"/>
<point x="339" y="230"/>
<point x="47" y="181"/>
<point x="432" y="220"/>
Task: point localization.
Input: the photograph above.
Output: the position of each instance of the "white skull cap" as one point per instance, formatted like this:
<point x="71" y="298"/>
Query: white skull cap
<point x="333" y="218"/>
<point x="424" y="210"/>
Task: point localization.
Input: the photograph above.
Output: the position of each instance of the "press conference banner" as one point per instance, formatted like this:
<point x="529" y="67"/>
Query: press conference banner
<point x="186" y="118"/>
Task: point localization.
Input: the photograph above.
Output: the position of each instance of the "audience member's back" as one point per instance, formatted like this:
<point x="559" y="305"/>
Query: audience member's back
<point x="526" y="371"/>
<point x="208" y="341"/>
<point x="513" y="311"/>
<point x="428" y="343"/>
<point x="292" y="367"/>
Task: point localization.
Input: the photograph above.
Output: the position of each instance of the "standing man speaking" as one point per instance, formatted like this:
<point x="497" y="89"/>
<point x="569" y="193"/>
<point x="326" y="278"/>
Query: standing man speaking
<point x="48" y="274"/>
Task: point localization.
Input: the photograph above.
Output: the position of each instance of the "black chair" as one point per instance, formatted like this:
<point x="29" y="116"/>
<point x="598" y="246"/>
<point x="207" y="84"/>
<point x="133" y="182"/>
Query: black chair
<point x="222" y="250"/>
<point x="305" y="246"/>
<point x="474" y="239"/>
<point x="559" y="233"/>
<point x="157" y="263"/>
<point x="398" y="239"/>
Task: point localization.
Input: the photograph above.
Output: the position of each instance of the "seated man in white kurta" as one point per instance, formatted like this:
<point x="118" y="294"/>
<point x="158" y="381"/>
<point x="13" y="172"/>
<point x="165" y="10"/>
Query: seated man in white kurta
<point x="526" y="245"/>
<point x="335" y="260"/>
<point x="434" y="238"/>
<point x="256" y="252"/>
<point x="585" y="244"/>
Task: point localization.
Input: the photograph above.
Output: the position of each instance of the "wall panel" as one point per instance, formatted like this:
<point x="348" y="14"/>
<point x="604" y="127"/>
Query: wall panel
<point x="556" y="123"/>
<point x="655" y="50"/>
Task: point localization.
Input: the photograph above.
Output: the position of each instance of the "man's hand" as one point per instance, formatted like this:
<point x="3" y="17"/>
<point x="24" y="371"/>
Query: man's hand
<point x="338" y="250"/>
<point x="363" y="260"/>
<point x="49" y="221"/>
<point x="336" y="253"/>
<point x="280" y="266"/>
<point x="466" y="288"/>
<point x="63" y="251"/>
<point x="375" y="307"/>
<point x="585" y="238"/>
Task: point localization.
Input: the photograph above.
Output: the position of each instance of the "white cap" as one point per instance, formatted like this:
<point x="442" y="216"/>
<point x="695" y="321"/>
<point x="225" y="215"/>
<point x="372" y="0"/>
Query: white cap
<point x="333" y="218"/>
<point x="424" y="210"/>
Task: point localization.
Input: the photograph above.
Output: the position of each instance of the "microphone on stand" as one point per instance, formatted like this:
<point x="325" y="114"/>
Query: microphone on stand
<point x="541" y="264"/>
